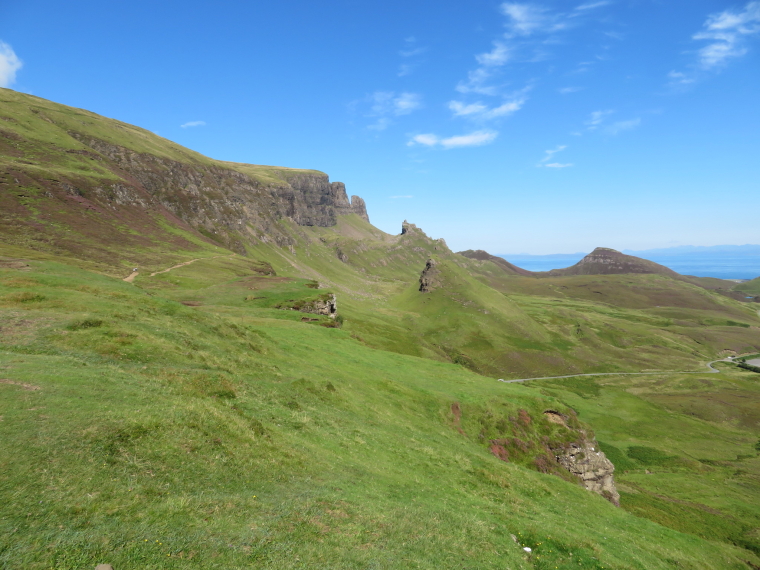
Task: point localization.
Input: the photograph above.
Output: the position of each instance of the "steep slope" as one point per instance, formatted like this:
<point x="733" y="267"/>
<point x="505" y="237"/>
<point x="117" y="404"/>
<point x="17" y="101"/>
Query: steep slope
<point x="500" y="261"/>
<point x="605" y="261"/>
<point x="80" y="185"/>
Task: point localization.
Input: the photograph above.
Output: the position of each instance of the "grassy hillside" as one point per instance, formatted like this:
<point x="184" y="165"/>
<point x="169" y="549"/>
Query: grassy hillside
<point x="147" y="433"/>
<point x="194" y="417"/>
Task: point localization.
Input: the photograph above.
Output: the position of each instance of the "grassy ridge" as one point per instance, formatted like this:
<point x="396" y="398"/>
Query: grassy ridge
<point x="148" y="433"/>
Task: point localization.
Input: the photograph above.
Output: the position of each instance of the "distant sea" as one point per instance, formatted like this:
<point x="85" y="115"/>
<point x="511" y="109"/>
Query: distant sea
<point x="724" y="262"/>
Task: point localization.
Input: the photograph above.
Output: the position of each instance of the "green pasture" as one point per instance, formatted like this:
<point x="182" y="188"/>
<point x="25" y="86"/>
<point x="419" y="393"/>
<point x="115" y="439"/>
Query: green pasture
<point x="146" y="433"/>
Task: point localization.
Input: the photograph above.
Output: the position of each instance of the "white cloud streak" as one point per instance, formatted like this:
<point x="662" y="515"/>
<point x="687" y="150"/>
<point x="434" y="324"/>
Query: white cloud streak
<point x="621" y="126"/>
<point x="727" y="33"/>
<point x="385" y="105"/>
<point x="193" y="124"/>
<point x="484" y="112"/>
<point x="597" y="118"/>
<point x="411" y="52"/>
<point x="592" y="5"/>
<point x="549" y="154"/>
<point x="477" y="138"/>
<point x="9" y="65"/>
<point x="527" y="19"/>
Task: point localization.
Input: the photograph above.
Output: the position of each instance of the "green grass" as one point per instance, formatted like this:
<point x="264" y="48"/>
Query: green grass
<point x="684" y="447"/>
<point x="189" y="419"/>
<point x="146" y="433"/>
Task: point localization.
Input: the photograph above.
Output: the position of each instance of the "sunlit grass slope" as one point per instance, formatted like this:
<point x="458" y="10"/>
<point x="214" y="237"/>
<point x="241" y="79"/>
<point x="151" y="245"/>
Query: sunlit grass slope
<point x="686" y="448"/>
<point x="149" y="434"/>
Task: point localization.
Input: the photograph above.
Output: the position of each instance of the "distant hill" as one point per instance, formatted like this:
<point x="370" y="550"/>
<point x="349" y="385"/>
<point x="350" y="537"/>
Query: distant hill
<point x="605" y="261"/>
<point x="500" y="261"/>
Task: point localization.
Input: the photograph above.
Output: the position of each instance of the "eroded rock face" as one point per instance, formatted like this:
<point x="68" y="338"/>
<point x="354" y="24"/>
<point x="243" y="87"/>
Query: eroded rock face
<point x="342" y="204"/>
<point x="225" y="204"/>
<point x="429" y="277"/>
<point x="586" y="461"/>
<point x="327" y="307"/>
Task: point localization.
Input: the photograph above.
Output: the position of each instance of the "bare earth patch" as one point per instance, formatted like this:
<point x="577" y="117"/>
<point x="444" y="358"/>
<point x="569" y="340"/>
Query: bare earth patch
<point x="24" y="385"/>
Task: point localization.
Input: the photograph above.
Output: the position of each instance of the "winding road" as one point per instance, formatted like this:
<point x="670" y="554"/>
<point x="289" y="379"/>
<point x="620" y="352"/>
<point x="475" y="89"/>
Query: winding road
<point x="711" y="370"/>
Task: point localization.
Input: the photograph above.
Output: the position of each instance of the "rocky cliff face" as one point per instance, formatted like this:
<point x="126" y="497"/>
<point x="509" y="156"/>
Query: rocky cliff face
<point x="342" y="204"/>
<point x="429" y="277"/>
<point x="223" y="203"/>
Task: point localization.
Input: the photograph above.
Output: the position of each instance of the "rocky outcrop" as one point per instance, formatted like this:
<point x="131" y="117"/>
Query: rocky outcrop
<point x="342" y="204"/>
<point x="225" y="204"/>
<point x="410" y="229"/>
<point x="588" y="463"/>
<point x="327" y="306"/>
<point x="429" y="277"/>
<point x="605" y="261"/>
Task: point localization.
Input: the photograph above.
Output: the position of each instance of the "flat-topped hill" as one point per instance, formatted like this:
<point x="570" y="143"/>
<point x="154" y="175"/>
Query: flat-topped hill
<point x="606" y="261"/>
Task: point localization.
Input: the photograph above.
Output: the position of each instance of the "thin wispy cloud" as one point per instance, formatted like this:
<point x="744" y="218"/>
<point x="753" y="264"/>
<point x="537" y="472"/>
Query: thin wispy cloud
<point x="9" y="65"/>
<point x="677" y="77"/>
<point x="489" y="63"/>
<point x="191" y="124"/>
<point x="527" y="19"/>
<point x="620" y="126"/>
<point x="385" y="105"/>
<point x="411" y="52"/>
<point x="477" y="138"/>
<point x="481" y="111"/>
<point x="592" y="5"/>
<point x="597" y="118"/>
<point x="568" y="90"/>
<point x="728" y="33"/>
<point x="548" y="155"/>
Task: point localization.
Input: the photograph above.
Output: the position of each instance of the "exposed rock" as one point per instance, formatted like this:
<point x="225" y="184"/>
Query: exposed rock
<point x="586" y="461"/>
<point x="342" y="204"/>
<point x="327" y="306"/>
<point x="224" y="203"/>
<point x="429" y="277"/>
<point x="103" y="567"/>
<point x="407" y="228"/>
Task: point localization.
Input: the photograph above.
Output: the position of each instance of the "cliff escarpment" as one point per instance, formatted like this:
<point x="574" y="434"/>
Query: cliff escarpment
<point x="227" y="201"/>
<point x="76" y="183"/>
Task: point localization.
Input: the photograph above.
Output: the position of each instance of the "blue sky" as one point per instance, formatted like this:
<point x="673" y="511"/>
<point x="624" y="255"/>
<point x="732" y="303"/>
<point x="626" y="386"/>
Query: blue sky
<point x="529" y="127"/>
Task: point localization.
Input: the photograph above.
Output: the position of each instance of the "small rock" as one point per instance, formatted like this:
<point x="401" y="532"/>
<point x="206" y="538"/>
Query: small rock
<point x="103" y="567"/>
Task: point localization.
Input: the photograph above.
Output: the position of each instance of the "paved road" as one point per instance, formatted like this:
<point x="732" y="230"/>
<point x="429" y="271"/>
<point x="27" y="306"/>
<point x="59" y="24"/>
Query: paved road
<point x="711" y="369"/>
<point x="754" y="362"/>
